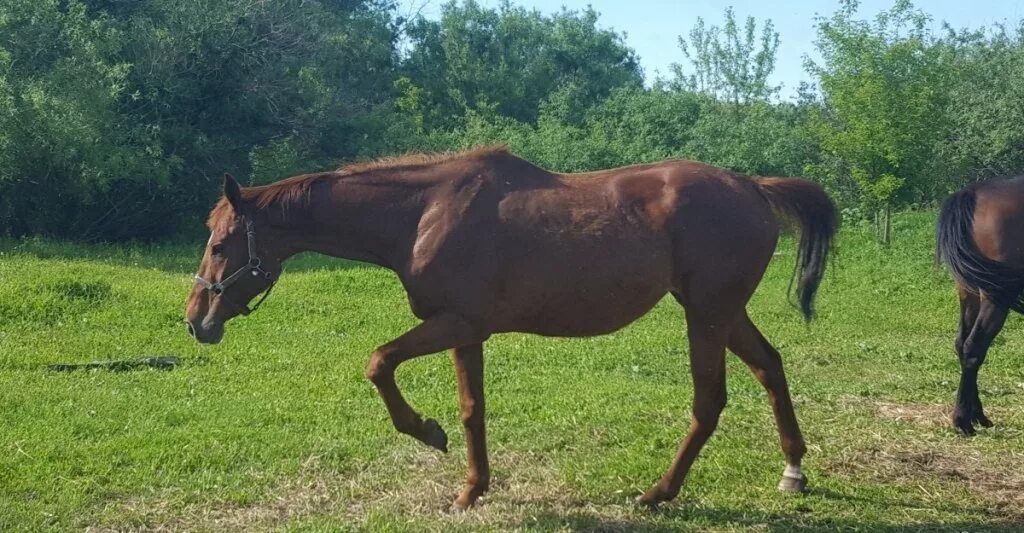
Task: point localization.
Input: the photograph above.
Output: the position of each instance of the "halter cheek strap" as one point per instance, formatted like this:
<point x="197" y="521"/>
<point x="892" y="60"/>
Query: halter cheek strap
<point x="254" y="266"/>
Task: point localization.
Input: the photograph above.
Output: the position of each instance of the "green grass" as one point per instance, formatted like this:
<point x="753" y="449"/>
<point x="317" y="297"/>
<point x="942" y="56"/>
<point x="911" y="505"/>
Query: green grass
<point x="277" y="427"/>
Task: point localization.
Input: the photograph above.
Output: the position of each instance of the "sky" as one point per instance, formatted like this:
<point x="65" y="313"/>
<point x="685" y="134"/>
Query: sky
<point x="652" y="27"/>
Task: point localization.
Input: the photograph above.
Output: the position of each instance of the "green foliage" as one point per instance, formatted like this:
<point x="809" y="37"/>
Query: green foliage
<point x="123" y="114"/>
<point x="117" y="118"/>
<point x="986" y="104"/>
<point x="68" y="154"/>
<point x="509" y="59"/>
<point x="278" y="159"/>
<point x="882" y="85"/>
<point x="729" y="63"/>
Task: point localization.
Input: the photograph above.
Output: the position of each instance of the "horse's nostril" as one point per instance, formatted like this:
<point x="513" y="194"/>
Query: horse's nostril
<point x="191" y="329"/>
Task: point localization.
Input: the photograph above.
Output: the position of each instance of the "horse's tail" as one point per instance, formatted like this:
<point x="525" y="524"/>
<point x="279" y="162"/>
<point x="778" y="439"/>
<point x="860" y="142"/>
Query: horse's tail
<point x="806" y="203"/>
<point x="955" y="247"/>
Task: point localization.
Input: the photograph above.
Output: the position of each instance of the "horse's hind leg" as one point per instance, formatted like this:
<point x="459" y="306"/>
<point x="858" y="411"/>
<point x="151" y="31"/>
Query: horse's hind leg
<point x="964" y="410"/>
<point x="431" y="336"/>
<point x="707" y="365"/>
<point x="764" y="361"/>
<point x="973" y="341"/>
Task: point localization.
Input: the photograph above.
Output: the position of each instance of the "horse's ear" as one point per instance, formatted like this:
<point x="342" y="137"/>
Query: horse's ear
<point x="233" y="192"/>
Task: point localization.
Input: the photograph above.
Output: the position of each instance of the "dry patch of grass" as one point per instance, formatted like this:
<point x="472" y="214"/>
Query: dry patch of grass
<point x="916" y="413"/>
<point x="411" y="481"/>
<point x="919" y="414"/>
<point x="997" y="483"/>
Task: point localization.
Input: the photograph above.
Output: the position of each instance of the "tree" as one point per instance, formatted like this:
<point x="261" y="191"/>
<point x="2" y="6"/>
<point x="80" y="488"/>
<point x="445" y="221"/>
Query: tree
<point x="882" y="114"/>
<point x="119" y="116"/>
<point x="985" y="106"/>
<point x="507" y="61"/>
<point x="728" y="63"/>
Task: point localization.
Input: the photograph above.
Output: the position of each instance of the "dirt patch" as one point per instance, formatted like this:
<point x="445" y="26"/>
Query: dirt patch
<point x="999" y="483"/>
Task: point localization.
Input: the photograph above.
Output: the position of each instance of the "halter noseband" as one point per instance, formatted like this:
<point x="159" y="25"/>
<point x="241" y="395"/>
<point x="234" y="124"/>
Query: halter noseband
<point x="253" y="266"/>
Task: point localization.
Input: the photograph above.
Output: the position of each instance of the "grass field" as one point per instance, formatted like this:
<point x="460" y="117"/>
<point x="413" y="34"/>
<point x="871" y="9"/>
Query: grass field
<point x="276" y="427"/>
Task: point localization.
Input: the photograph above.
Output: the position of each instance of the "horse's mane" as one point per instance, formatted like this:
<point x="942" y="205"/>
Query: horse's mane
<point x="293" y="192"/>
<point x="421" y="159"/>
<point x="287" y="193"/>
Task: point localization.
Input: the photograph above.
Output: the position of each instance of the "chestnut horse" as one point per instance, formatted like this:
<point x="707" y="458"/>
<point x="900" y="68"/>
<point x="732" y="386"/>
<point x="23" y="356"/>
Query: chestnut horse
<point x="485" y="242"/>
<point x="981" y="241"/>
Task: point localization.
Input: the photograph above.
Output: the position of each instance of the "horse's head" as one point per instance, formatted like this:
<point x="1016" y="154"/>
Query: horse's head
<point x="237" y="266"/>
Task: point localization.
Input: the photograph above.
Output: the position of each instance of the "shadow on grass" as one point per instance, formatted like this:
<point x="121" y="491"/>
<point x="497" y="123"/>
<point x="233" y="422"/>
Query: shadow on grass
<point x="703" y="518"/>
<point x="173" y="258"/>
<point x="768" y="522"/>
<point x="669" y="517"/>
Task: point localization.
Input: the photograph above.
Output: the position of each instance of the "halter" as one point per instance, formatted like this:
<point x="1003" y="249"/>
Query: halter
<point x="253" y="266"/>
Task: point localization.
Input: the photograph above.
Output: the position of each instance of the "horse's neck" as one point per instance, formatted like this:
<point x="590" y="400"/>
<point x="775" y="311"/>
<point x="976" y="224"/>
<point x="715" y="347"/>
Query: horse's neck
<point x="373" y="224"/>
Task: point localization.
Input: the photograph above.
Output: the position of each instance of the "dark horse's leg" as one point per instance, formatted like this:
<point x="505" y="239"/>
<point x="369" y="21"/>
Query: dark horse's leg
<point x="970" y="304"/>
<point x="972" y="343"/>
<point x="469" y="369"/>
<point x="707" y="365"/>
<point x="431" y="336"/>
<point x="764" y="361"/>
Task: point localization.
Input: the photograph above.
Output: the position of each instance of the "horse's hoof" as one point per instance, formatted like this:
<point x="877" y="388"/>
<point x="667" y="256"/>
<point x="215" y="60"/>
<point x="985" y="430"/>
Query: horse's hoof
<point x="435" y="437"/>
<point x="793" y="484"/>
<point x="654" y="497"/>
<point x="983" y="421"/>
<point x="964" y="427"/>
<point x="649" y="504"/>
<point x="463" y="503"/>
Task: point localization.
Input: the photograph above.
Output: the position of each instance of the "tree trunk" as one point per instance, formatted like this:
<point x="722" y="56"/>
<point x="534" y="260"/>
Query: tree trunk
<point x="887" y="230"/>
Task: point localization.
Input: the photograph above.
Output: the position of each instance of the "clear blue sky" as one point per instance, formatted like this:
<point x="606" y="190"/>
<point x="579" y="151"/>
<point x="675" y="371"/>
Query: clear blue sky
<point x="652" y="26"/>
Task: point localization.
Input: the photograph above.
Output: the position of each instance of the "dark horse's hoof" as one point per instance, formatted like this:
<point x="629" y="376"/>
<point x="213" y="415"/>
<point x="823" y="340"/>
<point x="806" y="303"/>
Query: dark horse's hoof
<point x="965" y="423"/>
<point x="966" y="429"/>
<point x="434" y="436"/>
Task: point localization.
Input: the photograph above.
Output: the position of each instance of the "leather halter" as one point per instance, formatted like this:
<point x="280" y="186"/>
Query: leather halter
<point x="253" y="266"/>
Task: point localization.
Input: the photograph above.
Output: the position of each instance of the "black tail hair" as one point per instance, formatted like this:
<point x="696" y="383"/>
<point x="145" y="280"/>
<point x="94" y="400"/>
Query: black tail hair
<point x="807" y="204"/>
<point x="955" y="247"/>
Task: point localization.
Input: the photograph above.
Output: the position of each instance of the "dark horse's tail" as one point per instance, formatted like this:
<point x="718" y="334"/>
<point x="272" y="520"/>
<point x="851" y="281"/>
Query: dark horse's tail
<point x="955" y="247"/>
<point x="806" y="203"/>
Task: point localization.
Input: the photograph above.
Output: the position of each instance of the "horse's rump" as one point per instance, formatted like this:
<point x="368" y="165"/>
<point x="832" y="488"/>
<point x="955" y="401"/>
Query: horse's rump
<point x="956" y="248"/>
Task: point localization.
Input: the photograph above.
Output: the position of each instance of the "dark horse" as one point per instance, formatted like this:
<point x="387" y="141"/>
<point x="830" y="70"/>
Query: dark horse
<point x="485" y="242"/>
<point x="981" y="240"/>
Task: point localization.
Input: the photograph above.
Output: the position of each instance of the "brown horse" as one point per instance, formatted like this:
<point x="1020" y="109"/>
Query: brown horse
<point x="485" y="242"/>
<point x="981" y="240"/>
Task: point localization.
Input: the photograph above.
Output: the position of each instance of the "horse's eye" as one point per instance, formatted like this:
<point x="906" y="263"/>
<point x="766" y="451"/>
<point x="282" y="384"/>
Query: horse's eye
<point x="217" y="249"/>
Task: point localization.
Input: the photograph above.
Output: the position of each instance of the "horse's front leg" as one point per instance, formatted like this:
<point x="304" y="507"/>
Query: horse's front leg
<point x="435" y="334"/>
<point x="469" y="369"/>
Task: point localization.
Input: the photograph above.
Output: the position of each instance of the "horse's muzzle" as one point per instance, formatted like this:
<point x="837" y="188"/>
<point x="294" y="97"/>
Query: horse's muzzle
<point x="205" y="333"/>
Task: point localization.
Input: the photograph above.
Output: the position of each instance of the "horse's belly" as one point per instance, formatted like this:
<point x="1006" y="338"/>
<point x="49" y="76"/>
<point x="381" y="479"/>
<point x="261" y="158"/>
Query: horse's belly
<point x="573" y="298"/>
<point x="587" y="316"/>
